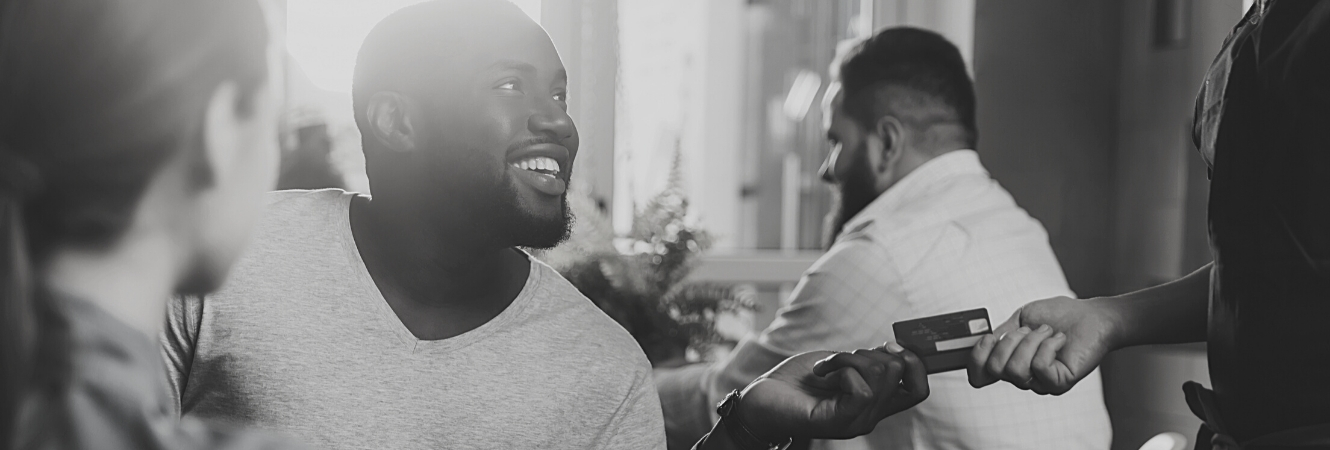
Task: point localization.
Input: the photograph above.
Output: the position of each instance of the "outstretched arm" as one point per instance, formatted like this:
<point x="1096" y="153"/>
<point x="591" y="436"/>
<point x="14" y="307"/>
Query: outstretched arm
<point x="1049" y="345"/>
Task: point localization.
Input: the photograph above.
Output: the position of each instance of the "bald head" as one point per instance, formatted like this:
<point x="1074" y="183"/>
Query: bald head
<point x="462" y="107"/>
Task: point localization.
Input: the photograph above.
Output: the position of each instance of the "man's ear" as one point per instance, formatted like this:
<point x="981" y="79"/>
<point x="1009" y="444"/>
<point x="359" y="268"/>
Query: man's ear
<point x="222" y="126"/>
<point x="891" y="132"/>
<point x="390" y="121"/>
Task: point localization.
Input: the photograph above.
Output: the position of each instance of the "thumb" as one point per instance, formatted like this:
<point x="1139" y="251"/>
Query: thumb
<point x="1010" y="325"/>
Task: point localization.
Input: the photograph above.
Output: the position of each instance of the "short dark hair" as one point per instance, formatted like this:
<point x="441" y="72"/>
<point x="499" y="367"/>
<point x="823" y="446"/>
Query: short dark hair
<point x="907" y="66"/>
<point x="402" y="52"/>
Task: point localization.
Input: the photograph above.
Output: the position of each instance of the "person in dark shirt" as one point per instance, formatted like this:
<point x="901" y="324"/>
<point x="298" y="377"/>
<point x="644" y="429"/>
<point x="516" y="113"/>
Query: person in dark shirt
<point x="1262" y="124"/>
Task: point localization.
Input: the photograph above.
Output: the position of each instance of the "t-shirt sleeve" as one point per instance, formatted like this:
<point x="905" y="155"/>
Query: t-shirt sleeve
<point x="847" y="300"/>
<point x="178" y="339"/>
<point x="637" y="423"/>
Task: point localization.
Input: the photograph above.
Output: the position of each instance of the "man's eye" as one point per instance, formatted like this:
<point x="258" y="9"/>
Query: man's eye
<point x="508" y="86"/>
<point x="561" y="96"/>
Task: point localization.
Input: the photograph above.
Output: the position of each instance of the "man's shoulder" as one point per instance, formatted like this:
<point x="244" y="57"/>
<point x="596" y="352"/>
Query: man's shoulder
<point x="302" y="235"/>
<point x="895" y="245"/>
<point x="574" y="316"/>
<point x="958" y="211"/>
<point x="292" y="214"/>
<point x="292" y="201"/>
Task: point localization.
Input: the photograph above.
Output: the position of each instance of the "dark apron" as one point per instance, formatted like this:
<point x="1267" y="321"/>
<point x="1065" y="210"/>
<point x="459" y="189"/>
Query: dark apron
<point x="1214" y="434"/>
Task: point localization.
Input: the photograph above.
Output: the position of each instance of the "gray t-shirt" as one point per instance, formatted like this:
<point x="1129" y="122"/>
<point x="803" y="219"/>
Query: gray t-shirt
<point x="301" y="341"/>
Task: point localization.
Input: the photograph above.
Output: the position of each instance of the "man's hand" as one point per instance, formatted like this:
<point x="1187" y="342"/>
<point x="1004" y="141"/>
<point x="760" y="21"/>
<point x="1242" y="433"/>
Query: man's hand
<point x="830" y="395"/>
<point x="1047" y="346"/>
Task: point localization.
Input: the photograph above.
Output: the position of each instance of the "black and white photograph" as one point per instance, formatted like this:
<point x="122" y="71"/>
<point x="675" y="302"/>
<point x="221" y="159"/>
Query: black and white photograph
<point x="665" y="224"/>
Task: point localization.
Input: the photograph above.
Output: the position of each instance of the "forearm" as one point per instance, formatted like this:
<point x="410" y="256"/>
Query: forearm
<point x="1171" y="313"/>
<point x="689" y="394"/>
<point x="717" y="439"/>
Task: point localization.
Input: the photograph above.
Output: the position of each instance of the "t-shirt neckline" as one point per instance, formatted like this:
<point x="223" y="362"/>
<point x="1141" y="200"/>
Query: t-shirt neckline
<point x="389" y="318"/>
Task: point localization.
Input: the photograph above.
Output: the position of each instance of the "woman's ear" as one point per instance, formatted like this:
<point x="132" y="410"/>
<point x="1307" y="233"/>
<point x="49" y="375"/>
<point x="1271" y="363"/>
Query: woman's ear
<point x="222" y="127"/>
<point x="390" y="121"/>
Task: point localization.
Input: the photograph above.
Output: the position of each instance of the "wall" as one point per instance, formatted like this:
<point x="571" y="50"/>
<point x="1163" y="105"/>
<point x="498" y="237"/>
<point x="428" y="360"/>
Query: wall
<point x="1162" y="190"/>
<point x="951" y="18"/>
<point x="586" y="34"/>
<point x="1085" y="117"/>
<point x="1046" y="81"/>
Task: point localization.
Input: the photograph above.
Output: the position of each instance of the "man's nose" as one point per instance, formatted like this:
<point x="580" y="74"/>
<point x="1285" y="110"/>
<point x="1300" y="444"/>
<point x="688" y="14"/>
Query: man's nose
<point x="554" y="121"/>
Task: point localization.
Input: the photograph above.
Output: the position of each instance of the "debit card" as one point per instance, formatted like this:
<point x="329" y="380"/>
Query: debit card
<point x="943" y="342"/>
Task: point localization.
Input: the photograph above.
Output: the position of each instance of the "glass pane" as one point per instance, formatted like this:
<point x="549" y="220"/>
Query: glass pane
<point x="792" y="44"/>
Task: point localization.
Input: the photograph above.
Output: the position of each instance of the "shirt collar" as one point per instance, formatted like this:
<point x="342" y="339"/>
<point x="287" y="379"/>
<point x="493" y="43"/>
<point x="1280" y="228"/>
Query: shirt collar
<point x="918" y="183"/>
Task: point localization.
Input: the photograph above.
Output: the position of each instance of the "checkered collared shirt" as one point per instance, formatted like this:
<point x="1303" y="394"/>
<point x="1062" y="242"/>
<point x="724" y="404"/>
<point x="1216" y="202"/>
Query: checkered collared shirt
<point x="946" y="238"/>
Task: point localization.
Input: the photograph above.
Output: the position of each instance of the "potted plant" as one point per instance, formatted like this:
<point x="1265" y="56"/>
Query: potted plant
<point x="640" y="280"/>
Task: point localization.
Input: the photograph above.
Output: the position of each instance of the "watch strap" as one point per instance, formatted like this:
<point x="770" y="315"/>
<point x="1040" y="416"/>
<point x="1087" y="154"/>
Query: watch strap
<point x="740" y="434"/>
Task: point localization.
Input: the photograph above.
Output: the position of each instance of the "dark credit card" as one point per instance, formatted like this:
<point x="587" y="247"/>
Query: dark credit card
<point x="943" y="342"/>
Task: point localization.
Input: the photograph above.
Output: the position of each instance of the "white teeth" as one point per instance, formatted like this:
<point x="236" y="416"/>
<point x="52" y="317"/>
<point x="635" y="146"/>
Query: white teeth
<point x="540" y="163"/>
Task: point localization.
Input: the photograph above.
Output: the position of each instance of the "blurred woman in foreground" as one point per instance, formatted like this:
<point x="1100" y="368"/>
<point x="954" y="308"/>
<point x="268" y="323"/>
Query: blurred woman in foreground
<point x="136" y="140"/>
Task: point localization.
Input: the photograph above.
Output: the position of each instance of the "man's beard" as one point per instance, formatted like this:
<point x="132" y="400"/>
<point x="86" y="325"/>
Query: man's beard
<point x="525" y="229"/>
<point x="497" y="212"/>
<point x="849" y="198"/>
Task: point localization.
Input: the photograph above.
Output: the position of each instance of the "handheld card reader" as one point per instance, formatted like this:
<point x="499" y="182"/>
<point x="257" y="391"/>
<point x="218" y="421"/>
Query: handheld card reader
<point x="943" y="342"/>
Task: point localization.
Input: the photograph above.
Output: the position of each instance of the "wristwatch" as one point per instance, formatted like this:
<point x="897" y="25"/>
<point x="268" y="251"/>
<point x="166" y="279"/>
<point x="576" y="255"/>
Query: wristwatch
<point x="740" y="433"/>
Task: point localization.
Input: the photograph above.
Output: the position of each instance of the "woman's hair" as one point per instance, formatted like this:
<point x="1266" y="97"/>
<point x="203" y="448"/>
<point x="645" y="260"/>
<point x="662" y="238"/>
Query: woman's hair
<point x="95" y="97"/>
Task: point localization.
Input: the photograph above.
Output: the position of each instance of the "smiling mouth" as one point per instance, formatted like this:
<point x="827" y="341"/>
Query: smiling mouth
<point x="541" y="165"/>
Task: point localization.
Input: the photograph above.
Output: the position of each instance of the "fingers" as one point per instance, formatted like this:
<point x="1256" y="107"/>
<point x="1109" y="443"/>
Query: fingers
<point x="882" y="371"/>
<point x="910" y="388"/>
<point x="1044" y="365"/>
<point x="979" y="356"/>
<point x="977" y="368"/>
<point x="1017" y="370"/>
<point x="859" y="415"/>
<point x="890" y="365"/>
<point x="869" y="369"/>
<point x="1006" y="345"/>
<point x="1012" y="323"/>
<point x="860" y="394"/>
<point x="915" y="379"/>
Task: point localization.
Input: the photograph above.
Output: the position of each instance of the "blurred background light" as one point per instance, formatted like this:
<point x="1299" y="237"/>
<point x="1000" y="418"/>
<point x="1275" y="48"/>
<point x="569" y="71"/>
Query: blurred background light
<point x="802" y="94"/>
<point x="324" y="35"/>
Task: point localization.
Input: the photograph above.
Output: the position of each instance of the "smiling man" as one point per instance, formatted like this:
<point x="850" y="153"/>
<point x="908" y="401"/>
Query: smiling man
<point x="412" y="319"/>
